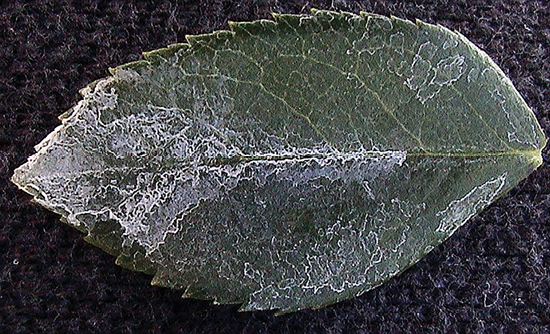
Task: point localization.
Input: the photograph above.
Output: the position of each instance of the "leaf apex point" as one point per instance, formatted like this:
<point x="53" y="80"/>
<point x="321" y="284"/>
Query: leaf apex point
<point x="538" y="159"/>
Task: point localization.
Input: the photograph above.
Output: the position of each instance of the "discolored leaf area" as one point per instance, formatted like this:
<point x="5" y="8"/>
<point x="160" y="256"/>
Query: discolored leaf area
<point x="287" y="164"/>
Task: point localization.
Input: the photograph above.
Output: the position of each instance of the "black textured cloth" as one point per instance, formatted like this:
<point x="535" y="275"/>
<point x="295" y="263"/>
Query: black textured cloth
<point x="492" y="276"/>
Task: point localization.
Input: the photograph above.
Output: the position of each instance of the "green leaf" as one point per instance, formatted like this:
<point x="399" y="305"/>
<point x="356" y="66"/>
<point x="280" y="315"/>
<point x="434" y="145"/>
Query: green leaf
<point x="287" y="164"/>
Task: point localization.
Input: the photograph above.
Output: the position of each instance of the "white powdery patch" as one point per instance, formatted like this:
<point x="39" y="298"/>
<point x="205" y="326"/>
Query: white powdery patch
<point x="428" y="73"/>
<point x="459" y="211"/>
<point x="150" y="214"/>
<point x="51" y="173"/>
<point x="149" y="167"/>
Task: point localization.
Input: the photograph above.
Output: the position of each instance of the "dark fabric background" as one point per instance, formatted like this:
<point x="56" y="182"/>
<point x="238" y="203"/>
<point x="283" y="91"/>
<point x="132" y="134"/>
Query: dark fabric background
<point x="492" y="276"/>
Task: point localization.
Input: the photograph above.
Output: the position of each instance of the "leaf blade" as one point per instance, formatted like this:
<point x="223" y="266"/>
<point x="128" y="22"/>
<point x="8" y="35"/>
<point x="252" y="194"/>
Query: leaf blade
<point x="291" y="164"/>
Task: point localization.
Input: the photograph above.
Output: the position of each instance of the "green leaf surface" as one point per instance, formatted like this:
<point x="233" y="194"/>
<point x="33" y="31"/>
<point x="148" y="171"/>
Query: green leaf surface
<point x="287" y="164"/>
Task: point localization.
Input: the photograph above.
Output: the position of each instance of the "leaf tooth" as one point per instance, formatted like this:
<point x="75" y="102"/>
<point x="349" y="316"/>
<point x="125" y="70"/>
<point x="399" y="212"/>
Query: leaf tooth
<point x="290" y="20"/>
<point x="165" y="53"/>
<point x="196" y="292"/>
<point x="136" y="262"/>
<point x="241" y="27"/>
<point x="405" y="24"/>
<point x="323" y="19"/>
<point x="226" y="300"/>
<point x="367" y="14"/>
<point x="135" y="65"/>
<point x="211" y="40"/>
<point x="251" y="28"/>
<point x="251" y="305"/>
<point x="248" y="306"/>
<point x="335" y="19"/>
<point x="287" y="310"/>
<point x="167" y="279"/>
<point x="67" y="113"/>
<point x="285" y="18"/>
<point x="314" y="11"/>
<point x="419" y="23"/>
<point x="88" y="88"/>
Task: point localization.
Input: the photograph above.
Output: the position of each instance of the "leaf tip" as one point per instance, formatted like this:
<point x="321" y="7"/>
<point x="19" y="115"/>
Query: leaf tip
<point x="537" y="158"/>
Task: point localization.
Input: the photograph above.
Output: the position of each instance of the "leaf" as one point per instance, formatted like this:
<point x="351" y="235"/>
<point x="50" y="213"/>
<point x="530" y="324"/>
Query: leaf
<point x="287" y="164"/>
